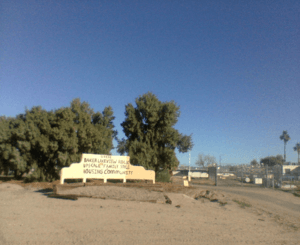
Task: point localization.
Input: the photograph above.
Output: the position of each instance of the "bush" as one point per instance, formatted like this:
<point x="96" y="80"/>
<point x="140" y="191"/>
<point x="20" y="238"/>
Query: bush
<point x="37" y="176"/>
<point x="30" y="178"/>
<point x="163" y="176"/>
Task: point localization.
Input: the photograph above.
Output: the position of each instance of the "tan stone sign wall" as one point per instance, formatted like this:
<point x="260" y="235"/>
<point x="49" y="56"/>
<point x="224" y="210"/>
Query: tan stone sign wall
<point x="96" y="166"/>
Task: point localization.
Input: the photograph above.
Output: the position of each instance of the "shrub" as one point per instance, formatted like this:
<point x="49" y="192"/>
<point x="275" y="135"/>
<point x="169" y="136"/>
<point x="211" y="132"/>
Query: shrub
<point x="163" y="176"/>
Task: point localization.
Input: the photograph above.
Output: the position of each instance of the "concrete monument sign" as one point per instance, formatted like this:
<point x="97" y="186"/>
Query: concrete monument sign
<point x="96" y="166"/>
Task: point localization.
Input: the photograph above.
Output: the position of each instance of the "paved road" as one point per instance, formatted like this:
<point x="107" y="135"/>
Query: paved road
<point x="283" y="206"/>
<point x="277" y="197"/>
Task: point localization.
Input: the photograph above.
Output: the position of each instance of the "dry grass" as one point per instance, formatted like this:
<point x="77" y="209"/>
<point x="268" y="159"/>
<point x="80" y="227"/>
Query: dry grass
<point x="242" y="204"/>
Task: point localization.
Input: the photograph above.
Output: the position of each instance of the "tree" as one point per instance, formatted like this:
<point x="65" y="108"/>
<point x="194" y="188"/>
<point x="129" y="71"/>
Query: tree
<point x="4" y="144"/>
<point x="285" y="137"/>
<point x="205" y="160"/>
<point x="94" y="131"/>
<point x="74" y="130"/>
<point x="10" y="157"/>
<point x="151" y="136"/>
<point x="254" y="163"/>
<point x="272" y="160"/>
<point x="15" y="146"/>
<point x="297" y="148"/>
<point x="48" y="141"/>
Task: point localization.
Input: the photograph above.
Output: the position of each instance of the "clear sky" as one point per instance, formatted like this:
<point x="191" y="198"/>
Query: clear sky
<point x="233" y="67"/>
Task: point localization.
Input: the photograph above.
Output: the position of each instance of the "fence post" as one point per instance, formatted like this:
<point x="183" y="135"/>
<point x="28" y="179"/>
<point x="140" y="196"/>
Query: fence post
<point x="216" y="175"/>
<point x="267" y="182"/>
<point x="242" y="176"/>
<point x="281" y="173"/>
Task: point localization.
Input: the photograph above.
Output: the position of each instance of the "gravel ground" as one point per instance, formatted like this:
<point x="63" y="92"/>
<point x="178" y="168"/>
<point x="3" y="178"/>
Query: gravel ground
<point x="28" y="216"/>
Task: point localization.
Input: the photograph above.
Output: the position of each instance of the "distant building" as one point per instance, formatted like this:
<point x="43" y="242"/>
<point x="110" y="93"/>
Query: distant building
<point x="291" y="172"/>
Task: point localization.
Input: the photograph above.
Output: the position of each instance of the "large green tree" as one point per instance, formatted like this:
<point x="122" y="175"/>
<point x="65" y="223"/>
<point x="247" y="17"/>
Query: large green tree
<point x="48" y="141"/>
<point x="297" y="148"/>
<point x="5" y="146"/>
<point x="285" y="137"/>
<point x="75" y="130"/>
<point x="272" y="160"/>
<point x="151" y="136"/>
<point x="13" y="150"/>
<point x="254" y="163"/>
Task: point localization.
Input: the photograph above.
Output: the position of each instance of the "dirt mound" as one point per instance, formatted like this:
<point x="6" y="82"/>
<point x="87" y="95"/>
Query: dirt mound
<point x="158" y="186"/>
<point x="115" y="192"/>
<point x="130" y="191"/>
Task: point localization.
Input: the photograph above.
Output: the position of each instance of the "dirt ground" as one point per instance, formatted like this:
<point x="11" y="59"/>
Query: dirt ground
<point x="143" y="213"/>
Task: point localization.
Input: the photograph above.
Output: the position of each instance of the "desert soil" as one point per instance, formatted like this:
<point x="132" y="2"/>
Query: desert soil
<point x="140" y="213"/>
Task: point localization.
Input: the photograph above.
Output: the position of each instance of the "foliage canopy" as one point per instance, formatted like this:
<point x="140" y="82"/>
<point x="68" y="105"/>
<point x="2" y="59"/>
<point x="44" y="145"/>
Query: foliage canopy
<point x="49" y="140"/>
<point x="254" y="163"/>
<point x="285" y="137"/>
<point x="297" y="148"/>
<point x="272" y="160"/>
<point x="151" y="136"/>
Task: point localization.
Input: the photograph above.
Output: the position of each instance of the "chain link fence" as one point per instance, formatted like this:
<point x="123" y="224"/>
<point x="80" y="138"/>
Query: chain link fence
<point x="267" y="177"/>
<point x="245" y="176"/>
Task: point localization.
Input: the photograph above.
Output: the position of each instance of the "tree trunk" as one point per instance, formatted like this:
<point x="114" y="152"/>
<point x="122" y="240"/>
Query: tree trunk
<point x="18" y="175"/>
<point x="284" y="152"/>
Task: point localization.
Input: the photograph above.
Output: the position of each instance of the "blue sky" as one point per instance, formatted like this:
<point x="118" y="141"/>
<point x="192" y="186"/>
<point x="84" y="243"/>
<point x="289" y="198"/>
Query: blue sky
<point x="233" y="67"/>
